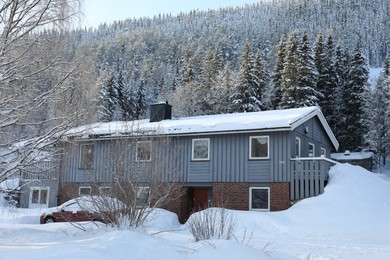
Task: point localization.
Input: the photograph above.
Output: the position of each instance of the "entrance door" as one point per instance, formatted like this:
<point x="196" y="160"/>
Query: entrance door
<point x="200" y="199"/>
<point x="39" y="197"/>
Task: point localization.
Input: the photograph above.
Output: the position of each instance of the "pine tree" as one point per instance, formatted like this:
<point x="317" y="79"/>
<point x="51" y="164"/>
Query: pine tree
<point x="276" y="93"/>
<point x="140" y="104"/>
<point x="260" y="82"/>
<point x="244" y="97"/>
<point x="306" y="92"/>
<point x="353" y="98"/>
<point x="290" y="73"/>
<point x="108" y="99"/>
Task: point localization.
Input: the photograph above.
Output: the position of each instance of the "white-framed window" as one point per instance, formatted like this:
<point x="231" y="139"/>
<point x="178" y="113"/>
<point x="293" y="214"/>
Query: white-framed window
<point x="297" y="147"/>
<point x="258" y="147"/>
<point x="312" y="150"/>
<point x="323" y="152"/>
<point x="143" y="151"/>
<point x="39" y="197"/>
<point x="259" y="198"/>
<point x="86" y="156"/>
<point x="201" y="149"/>
<point x="84" y="190"/>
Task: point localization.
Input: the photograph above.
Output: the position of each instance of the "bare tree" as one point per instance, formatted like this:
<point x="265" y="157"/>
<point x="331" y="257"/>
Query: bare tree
<point x="33" y="77"/>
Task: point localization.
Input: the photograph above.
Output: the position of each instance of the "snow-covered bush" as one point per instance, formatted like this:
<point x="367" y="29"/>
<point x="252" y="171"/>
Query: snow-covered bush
<point x="212" y="223"/>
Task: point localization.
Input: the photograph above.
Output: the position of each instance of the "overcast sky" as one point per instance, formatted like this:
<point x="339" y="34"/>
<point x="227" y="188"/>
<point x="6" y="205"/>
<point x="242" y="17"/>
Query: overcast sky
<point x="99" y="11"/>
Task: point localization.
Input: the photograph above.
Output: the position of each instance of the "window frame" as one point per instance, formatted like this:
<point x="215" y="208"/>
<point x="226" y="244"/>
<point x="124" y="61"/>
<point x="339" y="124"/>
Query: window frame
<point x="314" y="149"/>
<point x="150" y="151"/>
<point x="323" y="152"/>
<point x="139" y="192"/>
<point x="39" y="199"/>
<point x="250" y="147"/>
<point x="82" y="165"/>
<point x="268" y="198"/>
<point x="300" y="147"/>
<point x="85" y="187"/>
<point x="193" y="149"/>
<point x="105" y="193"/>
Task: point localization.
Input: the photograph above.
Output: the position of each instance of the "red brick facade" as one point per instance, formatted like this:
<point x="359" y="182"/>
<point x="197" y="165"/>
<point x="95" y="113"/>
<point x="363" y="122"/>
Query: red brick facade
<point x="280" y="196"/>
<point x="231" y="195"/>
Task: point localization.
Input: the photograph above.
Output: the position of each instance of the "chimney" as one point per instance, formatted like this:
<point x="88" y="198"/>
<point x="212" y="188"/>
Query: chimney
<point x="160" y="111"/>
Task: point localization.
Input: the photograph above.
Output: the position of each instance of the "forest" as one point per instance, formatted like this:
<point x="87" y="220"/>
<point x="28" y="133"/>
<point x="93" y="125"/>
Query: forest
<point x="270" y="55"/>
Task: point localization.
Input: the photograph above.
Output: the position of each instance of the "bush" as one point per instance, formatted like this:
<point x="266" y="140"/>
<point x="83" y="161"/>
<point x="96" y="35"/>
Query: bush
<point x="211" y="223"/>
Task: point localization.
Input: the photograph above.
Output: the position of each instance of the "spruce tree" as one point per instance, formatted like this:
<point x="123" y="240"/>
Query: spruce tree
<point x="260" y="82"/>
<point x="306" y="92"/>
<point x="353" y="98"/>
<point x="276" y="92"/>
<point x="108" y="99"/>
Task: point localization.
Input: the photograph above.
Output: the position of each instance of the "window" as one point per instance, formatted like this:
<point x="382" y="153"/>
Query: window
<point x="297" y="147"/>
<point x="312" y="149"/>
<point x="39" y="197"/>
<point x="105" y="191"/>
<point x="84" y="190"/>
<point x="258" y="147"/>
<point x="144" y="151"/>
<point x="200" y="149"/>
<point x="259" y="199"/>
<point x="323" y="152"/>
<point x="86" y="156"/>
<point x="142" y="196"/>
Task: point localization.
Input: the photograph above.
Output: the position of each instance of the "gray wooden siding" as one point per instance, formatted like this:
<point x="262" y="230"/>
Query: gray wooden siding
<point x="229" y="157"/>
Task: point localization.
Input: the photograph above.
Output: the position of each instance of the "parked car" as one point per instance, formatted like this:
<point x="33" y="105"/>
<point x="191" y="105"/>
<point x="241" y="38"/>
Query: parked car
<point x="89" y="208"/>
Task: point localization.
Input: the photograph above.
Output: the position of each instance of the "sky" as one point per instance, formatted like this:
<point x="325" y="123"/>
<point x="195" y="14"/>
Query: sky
<point x="100" y="11"/>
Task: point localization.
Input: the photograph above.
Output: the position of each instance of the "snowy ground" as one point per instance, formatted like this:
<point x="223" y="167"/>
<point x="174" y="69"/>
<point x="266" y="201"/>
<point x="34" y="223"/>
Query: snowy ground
<point x="351" y="220"/>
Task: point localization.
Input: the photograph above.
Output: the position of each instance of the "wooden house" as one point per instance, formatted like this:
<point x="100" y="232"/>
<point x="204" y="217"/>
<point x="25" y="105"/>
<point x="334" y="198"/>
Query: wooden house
<point x="246" y="161"/>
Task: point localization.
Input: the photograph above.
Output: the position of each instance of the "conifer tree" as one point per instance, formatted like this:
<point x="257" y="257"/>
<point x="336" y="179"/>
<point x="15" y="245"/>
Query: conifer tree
<point x="353" y="98"/>
<point x="290" y="78"/>
<point x="260" y="82"/>
<point x="276" y="92"/>
<point x="140" y="104"/>
<point x="108" y="99"/>
<point x="306" y="92"/>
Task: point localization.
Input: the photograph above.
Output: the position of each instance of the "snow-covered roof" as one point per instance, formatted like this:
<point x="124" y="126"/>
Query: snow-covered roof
<point x="273" y="120"/>
<point x="351" y="155"/>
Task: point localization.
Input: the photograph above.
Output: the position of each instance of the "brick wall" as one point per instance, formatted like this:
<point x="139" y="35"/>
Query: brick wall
<point x="231" y="195"/>
<point x="280" y="196"/>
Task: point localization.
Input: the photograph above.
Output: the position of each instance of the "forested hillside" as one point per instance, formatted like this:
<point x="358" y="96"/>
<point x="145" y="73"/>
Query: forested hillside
<point x="206" y="62"/>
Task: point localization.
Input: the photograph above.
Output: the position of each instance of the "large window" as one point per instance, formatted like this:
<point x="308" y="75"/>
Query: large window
<point x="259" y="147"/>
<point x="86" y="156"/>
<point x="200" y="149"/>
<point x="297" y="147"/>
<point x="39" y="197"/>
<point x="312" y="149"/>
<point x="259" y="199"/>
<point x="144" y="151"/>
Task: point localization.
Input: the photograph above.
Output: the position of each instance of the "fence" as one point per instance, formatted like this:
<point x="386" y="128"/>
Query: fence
<point x="44" y="170"/>
<point x="309" y="176"/>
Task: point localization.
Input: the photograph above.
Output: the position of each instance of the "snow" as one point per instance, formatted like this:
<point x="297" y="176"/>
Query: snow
<point x="350" y="220"/>
<point x="351" y="155"/>
<point x="201" y="124"/>
<point x="9" y="184"/>
<point x="373" y="75"/>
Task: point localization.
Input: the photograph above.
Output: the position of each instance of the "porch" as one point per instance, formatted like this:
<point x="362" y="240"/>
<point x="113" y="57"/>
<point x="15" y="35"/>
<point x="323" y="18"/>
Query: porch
<point x="309" y="176"/>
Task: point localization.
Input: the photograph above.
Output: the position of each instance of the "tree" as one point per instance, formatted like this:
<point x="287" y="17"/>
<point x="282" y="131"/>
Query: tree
<point x="353" y="101"/>
<point x="276" y="94"/>
<point x="23" y="65"/>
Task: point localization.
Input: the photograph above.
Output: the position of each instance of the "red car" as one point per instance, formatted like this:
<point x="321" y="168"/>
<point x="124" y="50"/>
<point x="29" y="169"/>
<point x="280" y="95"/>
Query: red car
<point x="91" y="208"/>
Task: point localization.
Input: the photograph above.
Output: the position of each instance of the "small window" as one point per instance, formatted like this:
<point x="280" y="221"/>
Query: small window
<point x="200" y="149"/>
<point x="105" y="191"/>
<point x="259" y="148"/>
<point x="297" y="147"/>
<point x="259" y="199"/>
<point x="323" y="152"/>
<point x="84" y="191"/>
<point x="39" y="197"/>
<point x="312" y="149"/>
<point x="86" y="156"/>
<point x="142" y="196"/>
<point x="144" y="151"/>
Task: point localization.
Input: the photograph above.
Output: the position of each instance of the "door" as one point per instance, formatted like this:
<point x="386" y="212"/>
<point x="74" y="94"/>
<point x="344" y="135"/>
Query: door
<point x="39" y="197"/>
<point x="200" y="199"/>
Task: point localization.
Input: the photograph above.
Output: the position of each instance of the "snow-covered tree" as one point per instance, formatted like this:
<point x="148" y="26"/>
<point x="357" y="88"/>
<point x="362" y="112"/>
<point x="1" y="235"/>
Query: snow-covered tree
<point x="276" y="93"/>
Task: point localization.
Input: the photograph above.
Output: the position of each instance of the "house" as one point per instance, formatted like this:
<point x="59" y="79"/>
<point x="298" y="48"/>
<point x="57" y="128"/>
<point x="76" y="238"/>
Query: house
<point x="245" y="161"/>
